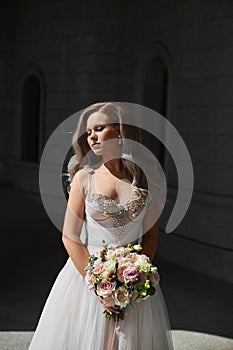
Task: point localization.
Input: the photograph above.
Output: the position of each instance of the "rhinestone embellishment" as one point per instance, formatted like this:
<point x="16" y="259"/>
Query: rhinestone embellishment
<point x="119" y="212"/>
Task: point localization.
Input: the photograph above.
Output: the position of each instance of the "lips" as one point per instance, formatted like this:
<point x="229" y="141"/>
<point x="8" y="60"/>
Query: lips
<point x="95" y="144"/>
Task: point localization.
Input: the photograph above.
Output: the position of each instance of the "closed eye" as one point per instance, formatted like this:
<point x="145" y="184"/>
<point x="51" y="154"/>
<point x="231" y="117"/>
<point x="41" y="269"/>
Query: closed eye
<point x="100" y="128"/>
<point x="96" y="128"/>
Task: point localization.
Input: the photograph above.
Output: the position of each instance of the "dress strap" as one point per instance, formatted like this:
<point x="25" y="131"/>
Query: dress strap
<point x="89" y="183"/>
<point x="89" y="178"/>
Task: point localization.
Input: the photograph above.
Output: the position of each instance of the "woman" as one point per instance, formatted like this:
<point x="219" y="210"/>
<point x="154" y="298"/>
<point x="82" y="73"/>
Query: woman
<point x="109" y="200"/>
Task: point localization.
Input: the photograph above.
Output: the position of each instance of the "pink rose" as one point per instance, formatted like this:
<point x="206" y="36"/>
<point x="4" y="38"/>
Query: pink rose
<point x="105" y="288"/>
<point x="120" y="273"/>
<point x="98" y="268"/>
<point x="89" y="280"/>
<point x="133" y="277"/>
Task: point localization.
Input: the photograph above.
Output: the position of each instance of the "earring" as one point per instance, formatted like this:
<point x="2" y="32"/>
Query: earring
<point x="119" y="140"/>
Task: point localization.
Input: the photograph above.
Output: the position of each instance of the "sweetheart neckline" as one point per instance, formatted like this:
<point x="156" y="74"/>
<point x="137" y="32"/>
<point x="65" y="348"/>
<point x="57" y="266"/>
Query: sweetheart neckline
<point x="113" y="200"/>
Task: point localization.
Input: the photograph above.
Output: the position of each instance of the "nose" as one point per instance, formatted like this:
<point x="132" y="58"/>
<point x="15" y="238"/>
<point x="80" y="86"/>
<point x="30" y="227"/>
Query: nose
<point x="92" y="135"/>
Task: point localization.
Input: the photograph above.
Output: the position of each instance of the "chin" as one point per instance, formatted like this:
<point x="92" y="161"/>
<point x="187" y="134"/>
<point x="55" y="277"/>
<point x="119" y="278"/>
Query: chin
<point x="97" y="152"/>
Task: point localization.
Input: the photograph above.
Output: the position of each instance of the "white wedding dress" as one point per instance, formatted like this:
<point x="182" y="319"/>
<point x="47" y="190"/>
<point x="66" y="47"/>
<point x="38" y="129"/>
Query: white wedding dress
<point x="72" y="318"/>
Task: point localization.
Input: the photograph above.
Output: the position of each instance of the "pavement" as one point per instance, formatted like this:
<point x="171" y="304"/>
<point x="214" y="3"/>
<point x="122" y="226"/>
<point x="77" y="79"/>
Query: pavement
<point x="182" y="340"/>
<point x="32" y="254"/>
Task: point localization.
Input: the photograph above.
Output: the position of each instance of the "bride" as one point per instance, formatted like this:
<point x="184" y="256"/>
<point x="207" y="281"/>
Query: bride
<point x="110" y="201"/>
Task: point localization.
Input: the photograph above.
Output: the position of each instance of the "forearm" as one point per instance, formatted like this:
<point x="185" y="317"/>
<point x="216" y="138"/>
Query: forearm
<point x="78" y="254"/>
<point x="150" y="241"/>
<point x="149" y="246"/>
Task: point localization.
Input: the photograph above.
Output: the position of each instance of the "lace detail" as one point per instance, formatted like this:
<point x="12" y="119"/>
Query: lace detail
<point x="120" y="213"/>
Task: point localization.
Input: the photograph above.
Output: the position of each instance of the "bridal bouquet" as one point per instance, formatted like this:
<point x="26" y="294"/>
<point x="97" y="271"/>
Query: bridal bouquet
<point x="121" y="276"/>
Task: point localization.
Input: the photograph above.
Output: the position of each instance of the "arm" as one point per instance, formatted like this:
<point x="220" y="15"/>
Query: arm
<point x="150" y="241"/>
<point x="77" y="251"/>
<point x="151" y="229"/>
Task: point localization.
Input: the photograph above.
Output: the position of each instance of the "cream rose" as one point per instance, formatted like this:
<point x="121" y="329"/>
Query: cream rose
<point x="121" y="297"/>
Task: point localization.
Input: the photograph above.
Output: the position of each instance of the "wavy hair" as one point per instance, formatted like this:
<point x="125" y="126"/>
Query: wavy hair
<point x="121" y="118"/>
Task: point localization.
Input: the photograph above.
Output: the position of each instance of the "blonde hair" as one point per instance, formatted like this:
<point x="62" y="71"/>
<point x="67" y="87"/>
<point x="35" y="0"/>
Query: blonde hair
<point x="119" y="116"/>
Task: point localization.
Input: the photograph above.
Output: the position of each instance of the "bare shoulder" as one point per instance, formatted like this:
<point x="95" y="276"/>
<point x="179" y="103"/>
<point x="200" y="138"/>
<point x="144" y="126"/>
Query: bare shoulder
<point x="81" y="179"/>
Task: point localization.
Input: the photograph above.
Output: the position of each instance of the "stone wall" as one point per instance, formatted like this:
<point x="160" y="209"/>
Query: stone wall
<point x="7" y="93"/>
<point x="195" y="39"/>
<point x="87" y="52"/>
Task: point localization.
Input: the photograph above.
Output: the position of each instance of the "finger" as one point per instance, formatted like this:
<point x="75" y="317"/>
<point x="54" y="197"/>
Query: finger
<point x="113" y="310"/>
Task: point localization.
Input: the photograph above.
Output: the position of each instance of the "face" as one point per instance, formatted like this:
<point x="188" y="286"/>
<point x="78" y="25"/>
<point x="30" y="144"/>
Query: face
<point x="98" y="131"/>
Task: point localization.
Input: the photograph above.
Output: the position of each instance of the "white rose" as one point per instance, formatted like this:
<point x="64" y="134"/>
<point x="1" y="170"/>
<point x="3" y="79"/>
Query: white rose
<point x="121" y="297"/>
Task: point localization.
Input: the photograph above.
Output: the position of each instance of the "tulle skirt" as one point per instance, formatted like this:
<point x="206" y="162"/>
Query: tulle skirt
<point x="72" y="319"/>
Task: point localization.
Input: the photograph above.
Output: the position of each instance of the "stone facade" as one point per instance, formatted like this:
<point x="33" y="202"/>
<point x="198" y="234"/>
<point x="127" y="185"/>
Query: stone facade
<point x="86" y="52"/>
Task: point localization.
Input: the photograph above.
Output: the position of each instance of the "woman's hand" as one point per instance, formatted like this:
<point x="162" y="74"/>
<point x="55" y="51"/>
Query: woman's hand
<point x="110" y="309"/>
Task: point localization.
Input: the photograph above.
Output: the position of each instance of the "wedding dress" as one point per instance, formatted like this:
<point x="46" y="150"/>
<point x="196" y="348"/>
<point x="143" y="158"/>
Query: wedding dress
<point x="72" y="318"/>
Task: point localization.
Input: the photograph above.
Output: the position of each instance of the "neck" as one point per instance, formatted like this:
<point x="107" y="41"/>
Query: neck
<point x="113" y="165"/>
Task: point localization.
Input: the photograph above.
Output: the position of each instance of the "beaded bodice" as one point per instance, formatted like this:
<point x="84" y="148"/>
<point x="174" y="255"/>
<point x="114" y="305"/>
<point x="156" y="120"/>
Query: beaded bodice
<point x="120" y="213"/>
<point x="118" y="219"/>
